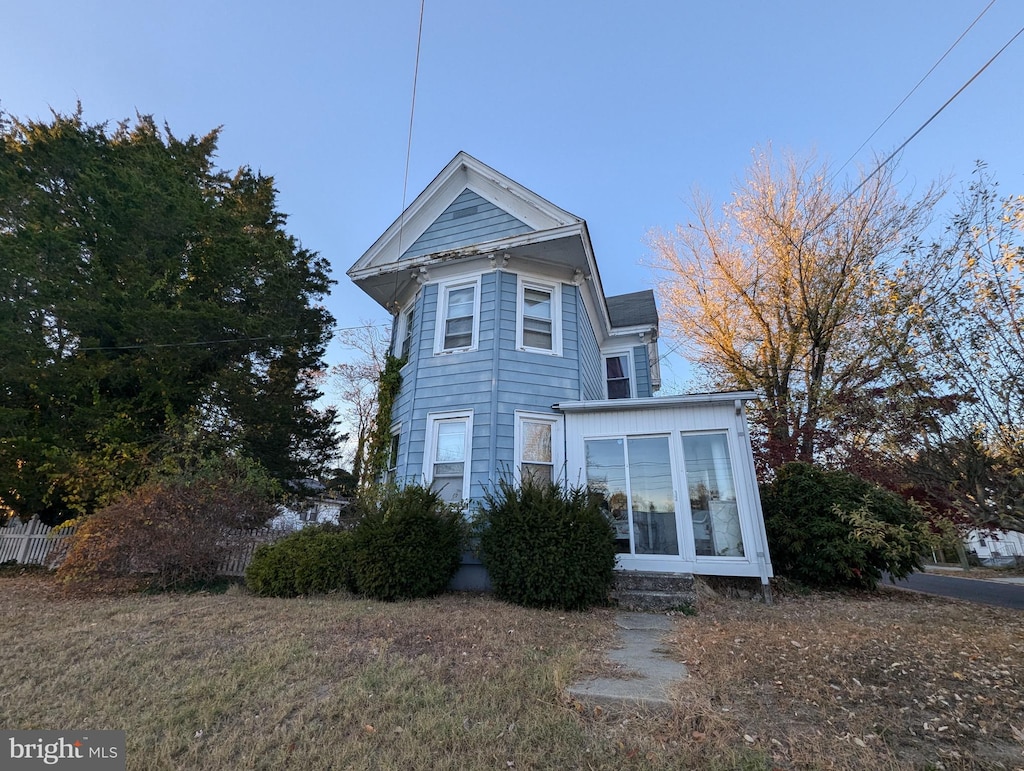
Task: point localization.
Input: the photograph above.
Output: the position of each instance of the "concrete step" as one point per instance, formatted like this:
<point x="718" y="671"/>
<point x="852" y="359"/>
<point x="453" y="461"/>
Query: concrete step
<point x="654" y="602"/>
<point x="654" y="592"/>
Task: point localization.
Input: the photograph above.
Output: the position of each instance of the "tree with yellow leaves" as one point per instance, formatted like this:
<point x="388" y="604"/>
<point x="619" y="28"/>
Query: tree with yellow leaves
<point x="786" y="293"/>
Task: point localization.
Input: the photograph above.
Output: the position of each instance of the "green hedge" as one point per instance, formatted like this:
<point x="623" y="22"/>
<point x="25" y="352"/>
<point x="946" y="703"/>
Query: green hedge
<point x="546" y="547"/>
<point x="315" y="560"/>
<point x="831" y="529"/>
<point x="408" y="544"/>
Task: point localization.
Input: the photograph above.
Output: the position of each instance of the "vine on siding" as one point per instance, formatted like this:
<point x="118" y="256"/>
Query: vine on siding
<point x="380" y="441"/>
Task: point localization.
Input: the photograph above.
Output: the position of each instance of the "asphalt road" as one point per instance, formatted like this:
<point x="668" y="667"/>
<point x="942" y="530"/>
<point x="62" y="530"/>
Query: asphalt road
<point x="975" y="590"/>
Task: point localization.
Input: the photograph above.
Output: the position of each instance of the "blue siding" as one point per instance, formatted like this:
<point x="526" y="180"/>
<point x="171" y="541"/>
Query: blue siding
<point x="527" y="380"/>
<point x="470" y="219"/>
<point x="448" y="383"/>
<point x="494" y="381"/>
<point x="590" y="362"/>
<point x="643" y="371"/>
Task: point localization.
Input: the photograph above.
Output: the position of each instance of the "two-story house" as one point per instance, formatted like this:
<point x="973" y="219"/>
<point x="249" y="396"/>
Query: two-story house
<point x="517" y="362"/>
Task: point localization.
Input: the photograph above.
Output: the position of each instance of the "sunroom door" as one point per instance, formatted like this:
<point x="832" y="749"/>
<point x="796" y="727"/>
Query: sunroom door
<point x="633" y="477"/>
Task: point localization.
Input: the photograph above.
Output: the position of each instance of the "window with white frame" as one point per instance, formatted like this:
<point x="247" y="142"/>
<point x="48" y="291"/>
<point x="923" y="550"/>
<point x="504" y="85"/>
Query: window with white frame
<point x="617" y="369"/>
<point x="404" y="332"/>
<point x="714" y="508"/>
<point x="539" y="446"/>
<point x="458" y="317"/>
<point x="447" y="463"/>
<point x="538" y="319"/>
<point x="392" y="464"/>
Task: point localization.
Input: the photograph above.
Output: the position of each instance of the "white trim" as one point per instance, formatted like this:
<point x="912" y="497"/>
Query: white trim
<point x="391" y="472"/>
<point x="444" y="289"/>
<point x="402" y="319"/>
<point x="555" y="291"/>
<point x="746" y="537"/>
<point x="631" y="371"/>
<point x="462" y="172"/>
<point x="557" y="424"/>
<point x="434" y="419"/>
<point x="657" y="402"/>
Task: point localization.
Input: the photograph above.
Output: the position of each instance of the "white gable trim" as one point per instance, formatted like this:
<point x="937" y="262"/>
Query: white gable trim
<point x="464" y="171"/>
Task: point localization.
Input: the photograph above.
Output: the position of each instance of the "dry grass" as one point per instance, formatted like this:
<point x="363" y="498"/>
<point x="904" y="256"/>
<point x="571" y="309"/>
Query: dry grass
<point x="887" y="680"/>
<point x="233" y="681"/>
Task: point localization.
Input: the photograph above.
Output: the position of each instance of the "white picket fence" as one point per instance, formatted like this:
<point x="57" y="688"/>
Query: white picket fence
<point x="33" y="543"/>
<point x="29" y="543"/>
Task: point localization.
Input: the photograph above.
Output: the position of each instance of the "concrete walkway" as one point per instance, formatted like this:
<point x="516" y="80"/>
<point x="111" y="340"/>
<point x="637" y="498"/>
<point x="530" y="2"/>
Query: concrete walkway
<point x="648" y="672"/>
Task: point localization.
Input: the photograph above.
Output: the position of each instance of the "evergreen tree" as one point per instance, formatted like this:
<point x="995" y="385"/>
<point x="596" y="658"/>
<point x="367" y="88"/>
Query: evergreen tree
<point x="145" y="294"/>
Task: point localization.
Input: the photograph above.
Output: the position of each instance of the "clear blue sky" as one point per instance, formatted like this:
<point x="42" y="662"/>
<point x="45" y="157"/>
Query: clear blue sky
<point x="611" y="110"/>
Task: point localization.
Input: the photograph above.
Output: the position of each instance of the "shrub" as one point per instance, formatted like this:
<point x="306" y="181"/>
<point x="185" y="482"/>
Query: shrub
<point x="831" y="529"/>
<point x="315" y="560"/>
<point x="546" y="547"/>
<point x="408" y="544"/>
<point x="169" y="532"/>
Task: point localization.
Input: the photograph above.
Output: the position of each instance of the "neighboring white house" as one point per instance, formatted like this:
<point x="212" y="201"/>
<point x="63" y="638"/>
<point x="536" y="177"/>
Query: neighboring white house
<point x="517" y="362"/>
<point x="995" y="546"/>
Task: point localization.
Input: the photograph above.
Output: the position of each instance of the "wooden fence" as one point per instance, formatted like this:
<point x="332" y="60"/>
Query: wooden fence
<point x="33" y="543"/>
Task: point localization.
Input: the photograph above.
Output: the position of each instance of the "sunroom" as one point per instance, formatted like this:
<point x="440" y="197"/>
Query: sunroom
<point x="676" y="477"/>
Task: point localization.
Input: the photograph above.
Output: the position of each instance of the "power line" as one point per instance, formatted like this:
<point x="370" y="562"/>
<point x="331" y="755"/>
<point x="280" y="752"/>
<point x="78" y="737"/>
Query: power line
<point x="922" y="127"/>
<point x="225" y="341"/>
<point x="412" y="114"/>
<point x="914" y="89"/>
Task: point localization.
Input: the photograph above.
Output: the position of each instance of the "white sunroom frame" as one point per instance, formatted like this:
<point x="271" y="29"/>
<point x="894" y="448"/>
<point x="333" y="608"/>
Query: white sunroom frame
<point x="675" y="416"/>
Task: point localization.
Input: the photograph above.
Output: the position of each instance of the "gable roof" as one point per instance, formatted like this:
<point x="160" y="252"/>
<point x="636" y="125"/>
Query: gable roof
<point x="463" y="172"/>
<point x="633" y="309"/>
<point x="471" y="213"/>
<point x="469" y="219"/>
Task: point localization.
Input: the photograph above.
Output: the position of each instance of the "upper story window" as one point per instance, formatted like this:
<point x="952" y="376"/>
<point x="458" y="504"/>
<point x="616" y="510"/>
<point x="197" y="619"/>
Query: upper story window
<point x="618" y="369"/>
<point x="404" y="332"/>
<point x="458" y="317"/>
<point x="538" y="320"/>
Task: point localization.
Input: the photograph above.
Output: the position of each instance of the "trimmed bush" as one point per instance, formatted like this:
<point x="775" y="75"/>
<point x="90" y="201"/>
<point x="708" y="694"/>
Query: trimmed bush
<point x="408" y="544"/>
<point x="831" y="529"/>
<point x="315" y="560"/>
<point x="546" y="547"/>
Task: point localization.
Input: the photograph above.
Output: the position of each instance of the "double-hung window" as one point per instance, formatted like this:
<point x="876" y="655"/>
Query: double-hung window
<point x="539" y="446"/>
<point x="392" y="465"/>
<point x="447" y="463"/>
<point x="404" y="332"/>
<point x="458" y="316"/>
<point x="538" y="325"/>
<point x="617" y="371"/>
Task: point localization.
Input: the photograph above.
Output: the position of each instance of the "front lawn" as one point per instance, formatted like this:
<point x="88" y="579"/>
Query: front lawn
<point x="233" y="681"/>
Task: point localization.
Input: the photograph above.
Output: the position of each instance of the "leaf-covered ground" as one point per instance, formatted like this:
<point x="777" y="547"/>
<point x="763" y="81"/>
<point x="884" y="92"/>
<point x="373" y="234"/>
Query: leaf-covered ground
<point x="888" y="679"/>
<point x="230" y="681"/>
